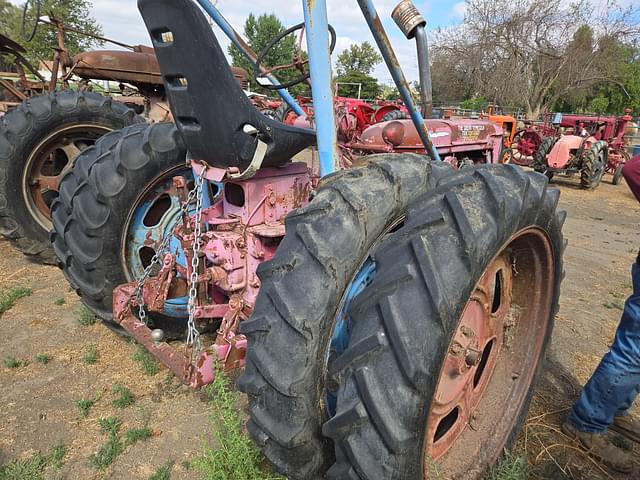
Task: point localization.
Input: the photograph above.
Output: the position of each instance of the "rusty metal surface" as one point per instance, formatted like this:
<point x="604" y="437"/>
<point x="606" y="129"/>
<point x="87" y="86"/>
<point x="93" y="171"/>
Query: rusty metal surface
<point x="117" y="65"/>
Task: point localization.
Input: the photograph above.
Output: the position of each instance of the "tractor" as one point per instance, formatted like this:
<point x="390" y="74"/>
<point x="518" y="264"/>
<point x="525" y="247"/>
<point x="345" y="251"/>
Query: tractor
<point x="377" y="314"/>
<point x="590" y="146"/>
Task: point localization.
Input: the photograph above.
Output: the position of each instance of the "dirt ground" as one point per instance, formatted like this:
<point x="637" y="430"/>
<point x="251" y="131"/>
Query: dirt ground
<point x="38" y="407"/>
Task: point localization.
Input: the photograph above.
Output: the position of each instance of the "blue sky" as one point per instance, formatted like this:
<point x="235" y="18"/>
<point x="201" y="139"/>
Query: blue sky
<point x="121" y="21"/>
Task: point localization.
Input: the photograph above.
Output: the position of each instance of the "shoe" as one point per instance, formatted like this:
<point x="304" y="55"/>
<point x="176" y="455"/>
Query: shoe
<point x="626" y="426"/>
<point x="598" y="446"/>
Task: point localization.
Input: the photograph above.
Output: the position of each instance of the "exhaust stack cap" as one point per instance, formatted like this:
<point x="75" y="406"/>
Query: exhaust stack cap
<point x="408" y="18"/>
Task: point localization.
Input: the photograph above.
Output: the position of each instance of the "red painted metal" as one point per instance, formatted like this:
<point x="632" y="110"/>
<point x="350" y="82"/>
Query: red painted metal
<point x="243" y="229"/>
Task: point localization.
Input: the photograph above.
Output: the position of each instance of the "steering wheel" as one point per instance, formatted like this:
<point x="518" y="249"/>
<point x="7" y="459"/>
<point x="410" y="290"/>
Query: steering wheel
<point x="298" y="63"/>
<point x="34" y="29"/>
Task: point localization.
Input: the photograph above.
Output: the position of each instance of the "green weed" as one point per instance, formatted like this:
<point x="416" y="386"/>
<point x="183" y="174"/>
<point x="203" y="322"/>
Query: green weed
<point x="107" y="453"/>
<point x="125" y="397"/>
<point x="134" y="435"/>
<point x="43" y="358"/>
<point x="33" y="468"/>
<point x="240" y="459"/>
<point x="109" y="425"/>
<point x="511" y="467"/>
<point x="622" y="442"/>
<point x="147" y="362"/>
<point x="85" y="316"/>
<point x="13" y="362"/>
<point x="163" y="472"/>
<point x="91" y="355"/>
<point x="614" y="304"/>
<point x="9" y="297"/>
<point x="84" y="406"/>
<point x="60" y="301"/>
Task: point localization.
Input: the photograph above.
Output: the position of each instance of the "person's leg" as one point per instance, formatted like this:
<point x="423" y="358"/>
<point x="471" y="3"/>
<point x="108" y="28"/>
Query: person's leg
<point x="614" y="385"/>
<point x="611" y="390"/>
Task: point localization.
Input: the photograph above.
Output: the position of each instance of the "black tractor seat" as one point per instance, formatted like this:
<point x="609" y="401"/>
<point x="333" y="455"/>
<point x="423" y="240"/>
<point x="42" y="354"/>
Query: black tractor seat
<point x="209" y="107"/>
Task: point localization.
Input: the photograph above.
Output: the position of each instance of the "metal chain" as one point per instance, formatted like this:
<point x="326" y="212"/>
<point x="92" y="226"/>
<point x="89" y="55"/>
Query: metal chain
<point x="193" y="336"/>
<point x="157" y="257"/>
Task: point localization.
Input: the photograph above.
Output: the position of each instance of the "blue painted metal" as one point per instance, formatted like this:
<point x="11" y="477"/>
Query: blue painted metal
<point x="380" y="36"/>
<point x="342" y="329"/>
<point x="317" y="31"/>
<point x="244" y="47"/>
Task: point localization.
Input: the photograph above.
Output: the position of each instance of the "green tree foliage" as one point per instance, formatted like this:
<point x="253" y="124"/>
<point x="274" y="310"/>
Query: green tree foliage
<point x="74" y="13"/>
<point x="347" y="85"/>
<point x="258" y="31"/>
<point x="358" y="58"/>
<point x="355" y="65"/>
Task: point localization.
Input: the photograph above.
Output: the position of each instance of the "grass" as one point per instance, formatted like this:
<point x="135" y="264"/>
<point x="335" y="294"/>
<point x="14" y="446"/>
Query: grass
<point x="85" y="405"/>
<point x="125" y="397"/>
<point x="135" y="435"/>
<point x="90" y="357"/>
<point x="621" y="442"/>
<point x="43" y="358"/>
<point x="13" y="362"/>
<point x="60" y="301"/>
<point x="240" y="459"/>
<point x="33" y="467"/>
<point x="106" y="453"/>
<point x="146" y="361"/>
<point x="84" y="316"/>
<point x="163" y="472"/>
<point x="9" y="297"/>
<point x="511" y="467"/>
<point x="110" y="425"/>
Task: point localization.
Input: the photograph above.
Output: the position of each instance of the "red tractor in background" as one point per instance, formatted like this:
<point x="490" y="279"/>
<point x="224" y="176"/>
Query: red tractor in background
<point x="590" y="145"/>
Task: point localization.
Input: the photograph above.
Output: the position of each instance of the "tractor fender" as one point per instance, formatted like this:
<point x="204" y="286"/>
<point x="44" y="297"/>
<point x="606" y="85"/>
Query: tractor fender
<point x="561" y="151"/>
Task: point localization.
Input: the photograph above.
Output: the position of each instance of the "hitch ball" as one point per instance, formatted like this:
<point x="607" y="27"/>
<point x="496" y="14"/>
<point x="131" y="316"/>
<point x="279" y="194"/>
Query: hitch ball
<point x="407" y="17"/>
<point x="157" y="335"/>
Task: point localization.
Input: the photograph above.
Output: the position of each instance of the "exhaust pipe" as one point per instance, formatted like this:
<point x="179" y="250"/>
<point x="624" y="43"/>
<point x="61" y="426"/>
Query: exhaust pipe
<point x="412" y="25"/>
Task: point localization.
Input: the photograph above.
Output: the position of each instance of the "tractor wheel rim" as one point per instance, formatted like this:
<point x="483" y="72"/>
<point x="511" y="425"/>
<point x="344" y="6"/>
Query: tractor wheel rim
<point x="46" y="164"/>
<point x="341" y="329"/>
<point x="492" y="357"/>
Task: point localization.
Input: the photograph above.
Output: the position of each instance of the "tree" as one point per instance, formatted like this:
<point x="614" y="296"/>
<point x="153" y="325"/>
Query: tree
<point x="258" y="31"/>
<point x="535" y="52"/>
<point x="74" y="13"/>
<point x="358" y="58"/>
<point x="352" y="81"/>
<point x="7" y="11"/>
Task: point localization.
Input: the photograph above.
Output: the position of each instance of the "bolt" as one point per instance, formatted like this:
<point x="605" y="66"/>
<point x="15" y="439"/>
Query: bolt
<point x="466" y="331"/>
<point x="472" y="358"/>
<point x="157" y="335"/>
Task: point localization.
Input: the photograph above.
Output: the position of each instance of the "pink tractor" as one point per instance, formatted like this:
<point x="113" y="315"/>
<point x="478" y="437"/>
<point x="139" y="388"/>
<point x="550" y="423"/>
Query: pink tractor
<point x="592" y="147"/>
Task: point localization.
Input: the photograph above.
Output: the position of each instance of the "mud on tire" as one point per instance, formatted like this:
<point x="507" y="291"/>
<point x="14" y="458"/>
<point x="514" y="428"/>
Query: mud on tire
<point x="96" y="198"/>
<point x="301" y="289"/>
<point x="21" y="131"/>
<point x="404" y="321"/>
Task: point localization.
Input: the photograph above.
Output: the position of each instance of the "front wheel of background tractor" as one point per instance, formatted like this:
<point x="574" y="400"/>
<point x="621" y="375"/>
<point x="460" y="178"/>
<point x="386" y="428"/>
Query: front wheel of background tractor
<point x="394" y="115"/>
<point x="539" y="162"/>
<point x="39" y="141"/>
<point x="302" y="286"/>
<point x="447" y="339"/>
<point x="115" y="206"/>
<point x="617" y="175"/>
<point x="593" y="165"/>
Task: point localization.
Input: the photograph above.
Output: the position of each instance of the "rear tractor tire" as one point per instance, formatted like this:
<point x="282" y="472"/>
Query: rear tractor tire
<point x="393" y="115"/>
<point x="302" y="287"/>
<point x="115" y="205"/>
<point x="39" y="142"/>
<point x="363" y="312"/>
<point x="539" y="162"/>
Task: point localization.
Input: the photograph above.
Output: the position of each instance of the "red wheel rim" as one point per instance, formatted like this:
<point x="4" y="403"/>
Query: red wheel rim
<point x="49" y="161"/>
<point x="491" y="359"/>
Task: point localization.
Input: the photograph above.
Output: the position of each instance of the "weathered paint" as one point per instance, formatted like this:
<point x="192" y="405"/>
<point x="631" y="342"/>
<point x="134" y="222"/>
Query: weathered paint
<point x="380" y="36"/>
<point x="317" y="31"/>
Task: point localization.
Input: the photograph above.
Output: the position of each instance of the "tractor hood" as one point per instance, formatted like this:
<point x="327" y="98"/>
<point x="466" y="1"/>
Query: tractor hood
<point x="562" y="150"/>
<point x="448" y="136"/>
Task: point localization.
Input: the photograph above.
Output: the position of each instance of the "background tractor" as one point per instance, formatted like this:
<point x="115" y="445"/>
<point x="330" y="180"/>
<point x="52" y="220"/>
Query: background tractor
<point x="591" y="146"/>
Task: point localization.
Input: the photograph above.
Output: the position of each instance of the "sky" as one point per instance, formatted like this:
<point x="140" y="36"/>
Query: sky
<point x="121" y="21"/>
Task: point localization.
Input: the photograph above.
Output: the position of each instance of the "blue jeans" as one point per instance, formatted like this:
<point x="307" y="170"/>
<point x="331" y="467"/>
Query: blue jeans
<point x="613" y="387"/>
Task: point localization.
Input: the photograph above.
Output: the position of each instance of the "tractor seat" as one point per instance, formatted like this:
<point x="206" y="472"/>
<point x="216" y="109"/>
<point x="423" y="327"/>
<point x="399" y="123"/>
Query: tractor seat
<point x="208" y="105"/>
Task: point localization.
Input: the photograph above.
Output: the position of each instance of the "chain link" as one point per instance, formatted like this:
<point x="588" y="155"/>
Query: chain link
<point x="194" y="194"/>
<point x="193" y="336"/>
